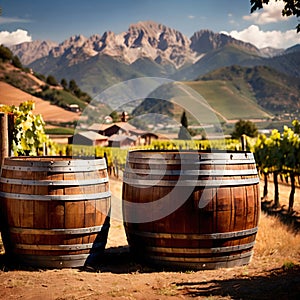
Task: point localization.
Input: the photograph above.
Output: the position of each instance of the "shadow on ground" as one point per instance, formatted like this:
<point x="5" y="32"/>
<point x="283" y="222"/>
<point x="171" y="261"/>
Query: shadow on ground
<point x="282" y="283"/>
<point x="291" y="220"/>
<point x="117" y="260"/>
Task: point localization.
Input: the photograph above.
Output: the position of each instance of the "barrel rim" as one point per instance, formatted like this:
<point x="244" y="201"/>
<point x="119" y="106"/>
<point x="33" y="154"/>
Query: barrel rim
<point x="213" y="151"/>
<point x="55" y="161"/>
<point x="191" y="155"/>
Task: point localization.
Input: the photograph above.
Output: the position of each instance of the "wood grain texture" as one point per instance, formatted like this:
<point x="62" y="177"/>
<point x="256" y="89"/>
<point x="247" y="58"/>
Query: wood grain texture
<point x="219" y="234"/>
<point x="54" y="210"/>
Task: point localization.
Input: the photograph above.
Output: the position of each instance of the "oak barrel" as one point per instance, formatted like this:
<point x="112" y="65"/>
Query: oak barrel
<point x="55" y="210"/>
<point x="191" y="209"/>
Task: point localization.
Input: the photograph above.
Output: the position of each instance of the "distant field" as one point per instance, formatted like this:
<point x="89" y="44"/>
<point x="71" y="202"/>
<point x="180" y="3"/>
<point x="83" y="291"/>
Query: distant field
<point x="225" y="99"/>
<point x="51" y="113"/>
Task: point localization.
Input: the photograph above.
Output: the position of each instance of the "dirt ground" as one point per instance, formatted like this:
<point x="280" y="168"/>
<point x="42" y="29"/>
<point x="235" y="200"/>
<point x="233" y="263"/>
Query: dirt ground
<point x="272" y="274"/>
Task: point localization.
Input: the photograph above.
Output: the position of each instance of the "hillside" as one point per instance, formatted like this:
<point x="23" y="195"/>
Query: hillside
<point x="230" y="54"/>
<point x="53" y="102"/>
<point x="223" y="102"/>
<point x="11" y="95"/>
<point x="273" y="91"/>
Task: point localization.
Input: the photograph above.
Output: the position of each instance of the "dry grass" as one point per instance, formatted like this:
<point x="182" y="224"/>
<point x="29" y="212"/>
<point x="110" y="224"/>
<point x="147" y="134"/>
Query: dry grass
<point x="275" y="239"/>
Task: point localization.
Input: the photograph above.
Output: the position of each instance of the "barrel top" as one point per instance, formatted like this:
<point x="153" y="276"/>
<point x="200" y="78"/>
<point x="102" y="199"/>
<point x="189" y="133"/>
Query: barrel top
<point x="54" y="161"/>
<point x="192" y="154"/>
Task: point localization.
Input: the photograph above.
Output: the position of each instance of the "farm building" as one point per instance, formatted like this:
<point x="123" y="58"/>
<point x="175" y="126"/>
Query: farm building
<point x="89" y="138"/>
<point x="122" y="141"/>
<point x="125" y="129"/>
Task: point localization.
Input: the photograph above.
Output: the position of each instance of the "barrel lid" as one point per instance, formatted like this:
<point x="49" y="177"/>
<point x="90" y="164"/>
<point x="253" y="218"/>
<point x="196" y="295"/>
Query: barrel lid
<point x="191" y="155"/>
<point x="52" y="162"/>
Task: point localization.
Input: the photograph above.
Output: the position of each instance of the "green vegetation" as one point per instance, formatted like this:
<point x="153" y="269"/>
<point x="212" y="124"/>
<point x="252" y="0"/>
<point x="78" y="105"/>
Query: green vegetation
<point x="154" y="106"/>
<point x="93" y="75"/>
<point x="270" y="89"/>
<point x="216" y="59"/>
<point x="225" y="99"/>
<point x="59" y="97"/>
<point x="184" y="133"/>
<point x="5" y="54"/>
<point x="244" y="127"/>
<point x="279" y="155"/>
<point x="51" y="80"/>
<point x="75" y="90"/>
<point x="111" y="153"/>
<point x="28" y="134"/>
<point x="60" y="131"/>
<point x="288" y="265"/>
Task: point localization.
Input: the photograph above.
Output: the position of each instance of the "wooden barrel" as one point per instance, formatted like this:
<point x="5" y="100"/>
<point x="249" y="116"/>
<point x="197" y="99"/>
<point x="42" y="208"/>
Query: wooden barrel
<point x="211" y="213"/>
<point x="54" y="210"/>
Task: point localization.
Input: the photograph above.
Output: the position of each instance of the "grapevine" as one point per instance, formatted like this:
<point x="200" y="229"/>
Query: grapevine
<point x="279" y="155"/>
<point x="28" y="134"/>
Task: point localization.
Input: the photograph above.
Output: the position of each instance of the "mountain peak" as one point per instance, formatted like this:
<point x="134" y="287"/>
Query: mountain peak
<point x="31" y="51"/>
<point x="158" y="42"/>
<point x="145" y="39"/>
<point x="206" y="40"/>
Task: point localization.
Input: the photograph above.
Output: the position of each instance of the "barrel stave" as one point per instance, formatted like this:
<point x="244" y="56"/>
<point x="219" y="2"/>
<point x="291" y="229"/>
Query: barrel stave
<point x="55" y="209"/>
<point x="219" y="231"/>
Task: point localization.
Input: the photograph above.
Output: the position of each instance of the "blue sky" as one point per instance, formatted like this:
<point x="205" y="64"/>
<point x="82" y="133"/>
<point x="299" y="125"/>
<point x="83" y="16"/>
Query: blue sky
<point x="26" y="20"/>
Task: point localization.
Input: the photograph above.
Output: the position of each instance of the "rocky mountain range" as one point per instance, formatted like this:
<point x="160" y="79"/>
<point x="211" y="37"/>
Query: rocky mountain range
<point x="142" y="40"/>
<point x="31" y="51"/>
<point x="148" y="49"/>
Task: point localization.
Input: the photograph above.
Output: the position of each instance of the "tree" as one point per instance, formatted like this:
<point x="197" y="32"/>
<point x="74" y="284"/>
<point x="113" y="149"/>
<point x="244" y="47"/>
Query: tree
<point x="64" y="83"/>
<point x="5" y="53"/>
<point x="51" y="80"/>
<point x="115" y="116"/>
<point x="73" y="85"/>
<point x="290" y="146"/>
<point x="291" y="8"/>
<point x="262" y="153"/>
<point x="183" y="133"/>
<point x="276" y="159"/>
<point x="244" y="127"/>
<point x="16" y="62"/>
<point x="184" y="120"/>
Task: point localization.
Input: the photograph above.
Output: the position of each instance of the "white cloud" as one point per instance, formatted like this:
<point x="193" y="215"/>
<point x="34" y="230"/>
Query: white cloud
<point x="15" y="37"/>
<point x="276" y="39"/>
<point x="270" y="13"/>
<point x="191" y="17"/>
